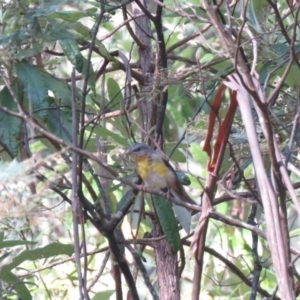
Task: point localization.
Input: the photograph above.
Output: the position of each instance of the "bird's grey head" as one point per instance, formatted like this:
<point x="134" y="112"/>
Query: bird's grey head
<point x="138" y="150"/>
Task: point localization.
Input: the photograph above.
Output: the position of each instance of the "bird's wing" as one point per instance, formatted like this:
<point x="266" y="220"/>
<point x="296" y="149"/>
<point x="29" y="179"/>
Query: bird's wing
<point x="174" y="182"/>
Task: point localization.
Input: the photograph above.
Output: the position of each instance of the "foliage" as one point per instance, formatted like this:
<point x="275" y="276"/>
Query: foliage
<point x="215" y="86"/>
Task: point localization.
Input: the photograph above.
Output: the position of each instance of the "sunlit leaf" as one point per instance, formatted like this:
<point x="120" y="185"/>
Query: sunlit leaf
<point x="103" y="295"/>
<point x="50" y="250"/>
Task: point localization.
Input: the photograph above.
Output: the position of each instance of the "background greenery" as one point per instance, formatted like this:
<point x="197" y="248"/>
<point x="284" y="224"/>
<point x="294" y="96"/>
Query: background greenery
<point x="72" y="85"/>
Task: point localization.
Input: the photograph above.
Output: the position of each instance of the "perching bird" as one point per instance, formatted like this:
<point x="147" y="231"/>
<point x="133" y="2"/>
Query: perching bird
<point x="156" y="172"/>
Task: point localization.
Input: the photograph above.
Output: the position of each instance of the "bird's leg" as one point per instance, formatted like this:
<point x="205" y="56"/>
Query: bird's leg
<point x="167" y="193"/>
<point x="140" y="184"/>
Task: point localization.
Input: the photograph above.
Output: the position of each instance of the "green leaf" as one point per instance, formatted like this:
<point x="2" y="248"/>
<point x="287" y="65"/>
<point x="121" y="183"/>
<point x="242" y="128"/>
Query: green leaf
<point x="60" y="88"/>
<point x="103" y="51"/>
<point x="19" y="286"/>
<point x="105" y="133"/>
<point x="5" y="40"/>
<point x="184" y="217"/>
<point x="199" y="155"/>
<point x="207" y="57"/>
<point x="178" y="105"/>
<point x="83" y="31"/>
<point x="76" y="30"/>
<point x="13" y="243"/>
<point x="295" y="233"/>
<point x="59" y="123"/>
<point x="114" y="92"/>
<point x="136" y="213"/>
<point x="105" y="295"/>
<point x="24" y="53"/>
<point x="292" y="79"/>
<point x="73" y="16"/>
<point x="45" y="9"/>
<point x="34" y="87"/>
<point x="177" y="156"/>
<point x="264" y="71"/>
<point x="252" y="17"/>
<point x="57" y="32"/>
<point x="167" y="221"/>
<point x="124" y="200"/>
<point x="72" y="52"/>
<point x="48" y="251"/>
<point x="280" y="49"/>
<point x="10" y="126"/>
<point x="183" y="178"/>
<point x="90" y="74"/>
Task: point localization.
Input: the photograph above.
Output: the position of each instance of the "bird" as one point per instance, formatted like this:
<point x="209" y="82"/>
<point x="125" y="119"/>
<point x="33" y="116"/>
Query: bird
<point x="156" y="172"/>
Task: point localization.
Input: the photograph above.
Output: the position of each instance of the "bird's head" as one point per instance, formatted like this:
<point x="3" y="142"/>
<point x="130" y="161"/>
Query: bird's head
<point x="138" y="150"/>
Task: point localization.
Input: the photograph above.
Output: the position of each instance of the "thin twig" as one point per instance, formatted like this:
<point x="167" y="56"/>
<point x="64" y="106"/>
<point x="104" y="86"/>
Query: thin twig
<point x="75" y="202"/>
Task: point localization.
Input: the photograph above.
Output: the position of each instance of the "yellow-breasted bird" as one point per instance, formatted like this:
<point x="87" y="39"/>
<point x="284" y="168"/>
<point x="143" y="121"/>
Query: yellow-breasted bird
<point x="156" y="171"/>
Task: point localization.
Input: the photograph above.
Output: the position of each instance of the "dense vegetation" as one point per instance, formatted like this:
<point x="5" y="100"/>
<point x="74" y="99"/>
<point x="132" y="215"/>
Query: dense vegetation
<point x="213" y="85"/>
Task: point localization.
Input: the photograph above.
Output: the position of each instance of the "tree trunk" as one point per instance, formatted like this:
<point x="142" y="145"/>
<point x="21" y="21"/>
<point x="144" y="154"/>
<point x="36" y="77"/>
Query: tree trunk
<point x="166" y="259"/>
<point x="167" y="267"/>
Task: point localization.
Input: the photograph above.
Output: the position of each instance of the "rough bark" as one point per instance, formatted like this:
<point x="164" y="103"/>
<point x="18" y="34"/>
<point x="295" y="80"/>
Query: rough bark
<point x="146" y="63"/>
<point x="167" y="268"/>
<point x="150" y="98"/>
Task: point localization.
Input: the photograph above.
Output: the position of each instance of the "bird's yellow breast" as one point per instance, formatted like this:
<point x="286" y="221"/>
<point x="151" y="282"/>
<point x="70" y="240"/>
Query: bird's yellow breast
<point x="160" y="168"/>
<point x="153" y="172"/>
<point x="143" y="166"/>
